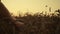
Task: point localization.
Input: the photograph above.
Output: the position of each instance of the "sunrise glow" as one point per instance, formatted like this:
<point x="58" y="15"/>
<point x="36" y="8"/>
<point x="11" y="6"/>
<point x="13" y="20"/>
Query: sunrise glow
<point x="23" y="6"/>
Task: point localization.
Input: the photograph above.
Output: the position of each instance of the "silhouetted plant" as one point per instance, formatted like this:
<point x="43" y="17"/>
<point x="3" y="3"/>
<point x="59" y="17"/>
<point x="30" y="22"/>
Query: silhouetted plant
<point x="38" y="24"/>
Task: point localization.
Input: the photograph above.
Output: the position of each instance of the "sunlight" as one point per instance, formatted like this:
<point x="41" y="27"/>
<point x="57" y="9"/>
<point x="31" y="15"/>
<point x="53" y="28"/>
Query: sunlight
<point x="33" y="5"/>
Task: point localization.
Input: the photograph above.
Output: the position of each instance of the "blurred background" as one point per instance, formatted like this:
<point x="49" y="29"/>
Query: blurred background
<point x="38" y="16"/>
<point x="32" y="6"/>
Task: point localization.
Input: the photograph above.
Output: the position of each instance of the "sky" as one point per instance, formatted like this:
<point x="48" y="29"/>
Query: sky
<point x="23" y="6"/>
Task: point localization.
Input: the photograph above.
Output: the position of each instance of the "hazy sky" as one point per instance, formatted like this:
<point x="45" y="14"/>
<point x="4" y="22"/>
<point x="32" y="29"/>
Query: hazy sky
<point x="31" y="5"/>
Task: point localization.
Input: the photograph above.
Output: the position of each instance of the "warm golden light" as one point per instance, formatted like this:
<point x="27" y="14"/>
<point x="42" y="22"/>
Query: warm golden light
<point x="15" y="6"/>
